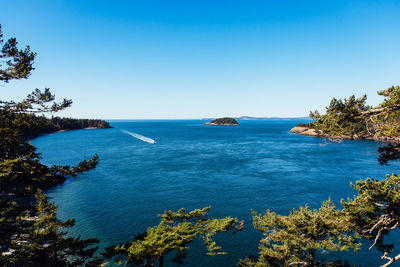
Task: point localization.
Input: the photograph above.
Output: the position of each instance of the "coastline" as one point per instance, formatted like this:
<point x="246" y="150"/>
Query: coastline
<point x="307" y="131"/>
<point x="87" y="128"/>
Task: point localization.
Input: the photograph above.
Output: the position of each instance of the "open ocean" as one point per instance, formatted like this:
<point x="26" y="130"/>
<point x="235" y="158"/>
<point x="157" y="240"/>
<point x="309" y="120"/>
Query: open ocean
<point x="258" y="165"/>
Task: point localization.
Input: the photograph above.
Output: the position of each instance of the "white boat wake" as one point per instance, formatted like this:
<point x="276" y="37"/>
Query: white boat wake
<point x="140" y="137"/>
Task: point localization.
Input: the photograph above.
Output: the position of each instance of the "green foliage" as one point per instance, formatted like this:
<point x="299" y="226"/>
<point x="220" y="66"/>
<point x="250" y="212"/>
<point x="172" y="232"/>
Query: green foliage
<point x="73" y="171"/>
<point x="294" y="239"/>
<point x="9" y="211"/>
<point x="26" y="239"/>
<point x="391" y="96"/>
<point x="31" y="125"/>
<point x="36" y="102"/>
<point x="24" y="176"/>
<point x="13" y="145"/>
<point x="15" y="116"/>
<point x="387" y="125"/>
<point x="352" y="118"/>
<point x="14" y="63"/>
<point x="386" y="121"/>
<point x="342" y="117"/>
<point x="375" y="210"/>
<point x="45" y="242"/>
<point x="72" y="124"/>
<point x="19" y="163"/>
<point x="388" y="152"/>
<point x="174" y="233"/>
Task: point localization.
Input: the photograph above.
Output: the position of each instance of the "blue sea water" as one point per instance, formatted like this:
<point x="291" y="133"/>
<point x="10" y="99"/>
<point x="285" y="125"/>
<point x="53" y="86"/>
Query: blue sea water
<point x="258" y="165"/>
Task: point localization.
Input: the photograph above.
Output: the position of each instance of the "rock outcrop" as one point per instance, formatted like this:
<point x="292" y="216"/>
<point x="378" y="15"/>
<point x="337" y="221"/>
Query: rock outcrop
<point x="308" y="131"/>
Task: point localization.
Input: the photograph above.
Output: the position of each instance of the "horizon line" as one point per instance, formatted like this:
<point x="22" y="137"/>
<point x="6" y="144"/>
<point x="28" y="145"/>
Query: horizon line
<point x="210" y="118"/>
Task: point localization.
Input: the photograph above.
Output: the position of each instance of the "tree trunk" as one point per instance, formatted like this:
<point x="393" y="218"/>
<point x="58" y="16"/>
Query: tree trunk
<point x="377" y="110"/>
<point x="311" y="257"/>
<point x="161" y="261"/>
<point x="391" y="260"/>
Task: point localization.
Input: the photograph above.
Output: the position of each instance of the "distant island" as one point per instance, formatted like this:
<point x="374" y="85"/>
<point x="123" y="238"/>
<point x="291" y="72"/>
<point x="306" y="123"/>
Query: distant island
<point x="272" y="118"/>
<point x="249" y="118"/>
<point x="223" y="121"/>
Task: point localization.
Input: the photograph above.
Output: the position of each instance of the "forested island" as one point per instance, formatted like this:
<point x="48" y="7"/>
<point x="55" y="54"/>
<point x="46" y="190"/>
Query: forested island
<point x="31" y="234"/>
<point x="223" y="121"/>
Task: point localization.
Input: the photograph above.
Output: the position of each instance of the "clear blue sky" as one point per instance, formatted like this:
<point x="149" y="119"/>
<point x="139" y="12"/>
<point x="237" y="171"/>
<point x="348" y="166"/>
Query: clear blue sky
<point x="195" y="59"/>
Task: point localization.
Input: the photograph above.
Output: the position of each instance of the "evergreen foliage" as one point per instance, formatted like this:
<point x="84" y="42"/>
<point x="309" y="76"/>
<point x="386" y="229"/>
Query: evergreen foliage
<point x="375" y="211"/>
<point x="391" y="97"/>
<point x="174" y="233"/>
<point x="29" y="236"/>
<point x="22" y="116"/>
<point x="384" y="120"/>
<point x="24" y="176"/>
<point x="14" y="63"/>
<point x="32" y="235"/>
<point x="294" y="239"/>
<point x="352" y="118"/>
<point x="342" y="117"/>
<point x="388" y="153"/>
<point x="45" y="242"/>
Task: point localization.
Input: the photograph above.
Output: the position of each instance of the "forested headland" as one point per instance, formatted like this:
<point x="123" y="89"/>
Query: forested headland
<point x="352" y="118"/>
<point x="39" y="125"/>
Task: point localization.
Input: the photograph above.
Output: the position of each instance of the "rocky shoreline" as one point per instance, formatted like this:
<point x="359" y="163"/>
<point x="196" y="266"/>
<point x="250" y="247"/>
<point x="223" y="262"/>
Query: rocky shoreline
<point x="308" y="131"/>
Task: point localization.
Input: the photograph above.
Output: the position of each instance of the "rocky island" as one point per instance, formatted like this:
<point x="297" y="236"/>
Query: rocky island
<point x="223" y="121"/>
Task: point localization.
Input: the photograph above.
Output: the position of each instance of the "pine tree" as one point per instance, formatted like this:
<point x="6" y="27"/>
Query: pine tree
<point x="14" y="63"/>
<point x="342" y="117"/>
<point x="174" y="234"/>
<point x="295" y="239"/>
<point x="32" y="237"/>
<point x="376" y="211"/>
<point x="46" y="243"/>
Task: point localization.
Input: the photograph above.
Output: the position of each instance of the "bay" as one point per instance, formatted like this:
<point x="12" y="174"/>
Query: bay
<point x="258" y="165"/>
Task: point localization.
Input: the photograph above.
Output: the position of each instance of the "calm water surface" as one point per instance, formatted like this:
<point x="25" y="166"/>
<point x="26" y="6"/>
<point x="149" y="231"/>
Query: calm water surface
<point x="258" y="165"/>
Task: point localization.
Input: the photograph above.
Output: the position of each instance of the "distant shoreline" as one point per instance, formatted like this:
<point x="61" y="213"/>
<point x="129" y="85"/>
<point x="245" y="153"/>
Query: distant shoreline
<point x="87" y="128"/>
<point x="243" y="118"/>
